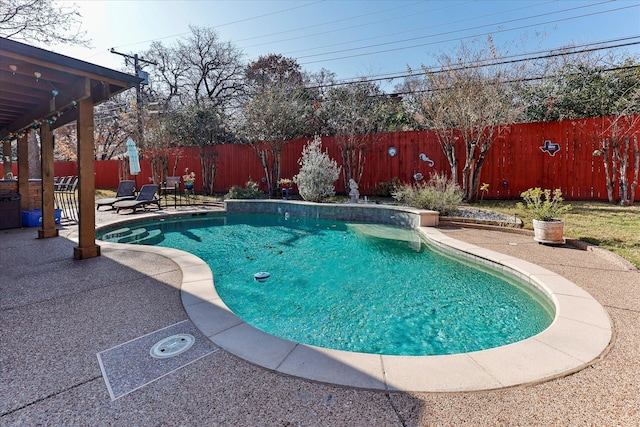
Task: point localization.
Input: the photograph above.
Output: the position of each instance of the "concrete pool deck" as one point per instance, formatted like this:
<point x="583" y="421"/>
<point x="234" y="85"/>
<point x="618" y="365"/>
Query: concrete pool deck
<point x="58" y="314"/>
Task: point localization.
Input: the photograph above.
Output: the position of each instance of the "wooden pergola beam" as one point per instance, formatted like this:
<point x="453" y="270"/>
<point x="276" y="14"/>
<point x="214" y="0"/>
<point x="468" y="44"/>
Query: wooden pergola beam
<point x="38" y="86"/>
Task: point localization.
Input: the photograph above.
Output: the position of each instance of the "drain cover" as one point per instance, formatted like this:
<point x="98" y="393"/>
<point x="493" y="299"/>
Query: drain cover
<point x="172" y="346"/>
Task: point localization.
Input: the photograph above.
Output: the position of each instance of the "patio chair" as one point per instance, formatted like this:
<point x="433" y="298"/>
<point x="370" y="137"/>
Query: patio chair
<point x="171" y="186"/>
<point x="146" y="197"/>
<point x="125" y="191"/>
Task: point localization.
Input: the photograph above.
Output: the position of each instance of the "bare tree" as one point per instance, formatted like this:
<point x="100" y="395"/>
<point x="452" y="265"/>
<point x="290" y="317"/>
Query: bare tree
<point x="469" y="103"/>
<point x="157" y="144"/>
<point x="114" y="121"/>
<point x="199" y="68"/>
<point x="204" y="126"/>
<point x="196" y="82"/>
<point x="270" y="119"/>
<point x="277" y="108"/>
<point x="618" y="139"/>
<point x="317" y="85"/>
<point x="274" y="71"/>
<point x="41" y="21"/>
<point x="355" y="112"/>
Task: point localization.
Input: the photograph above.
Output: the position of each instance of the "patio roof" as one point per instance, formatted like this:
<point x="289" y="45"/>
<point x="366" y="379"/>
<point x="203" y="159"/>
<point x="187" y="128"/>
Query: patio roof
<point x="42" y="90"/>
<point x="38" y="85"/>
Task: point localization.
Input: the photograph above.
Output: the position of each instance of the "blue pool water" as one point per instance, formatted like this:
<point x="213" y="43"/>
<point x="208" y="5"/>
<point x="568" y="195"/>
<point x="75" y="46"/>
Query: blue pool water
<point x="350" y="287"/>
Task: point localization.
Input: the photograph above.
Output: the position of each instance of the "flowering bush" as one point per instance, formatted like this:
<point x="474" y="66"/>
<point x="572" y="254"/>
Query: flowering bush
<point x="188" y="177"/>
<point x="318" y="172"/>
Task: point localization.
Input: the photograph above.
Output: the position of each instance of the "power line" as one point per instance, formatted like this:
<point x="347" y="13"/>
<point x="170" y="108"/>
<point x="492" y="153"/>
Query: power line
<point x="456" y="39"/>
<point x="306" y="27"/>
<point x="402" y="32"/>
<point x="551" y="54"/>
<point x="521" y="80"/>
<point x="561" y="51"/>
<point x="226" y="24"/>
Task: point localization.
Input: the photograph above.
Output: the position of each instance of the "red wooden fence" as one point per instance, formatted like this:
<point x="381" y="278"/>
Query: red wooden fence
<point x="515" y="162"/>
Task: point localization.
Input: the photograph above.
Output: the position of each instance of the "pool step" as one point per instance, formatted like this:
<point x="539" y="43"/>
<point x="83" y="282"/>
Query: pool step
<point x="133" y="236"/>
<point x="114" y="235"/>
<point x="139" y="236"/>
<point x="384" y="232"/>
<point x="153" y="238"/>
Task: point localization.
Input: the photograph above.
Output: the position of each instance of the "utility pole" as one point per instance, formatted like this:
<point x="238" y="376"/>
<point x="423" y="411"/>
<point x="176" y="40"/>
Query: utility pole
<point x="142" y="74"/>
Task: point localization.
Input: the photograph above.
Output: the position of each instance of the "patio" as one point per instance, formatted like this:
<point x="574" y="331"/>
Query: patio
<point x="59" y="314"/>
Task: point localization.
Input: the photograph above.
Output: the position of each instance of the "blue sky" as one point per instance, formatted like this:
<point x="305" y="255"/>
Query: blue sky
<point x="356" y="38"/>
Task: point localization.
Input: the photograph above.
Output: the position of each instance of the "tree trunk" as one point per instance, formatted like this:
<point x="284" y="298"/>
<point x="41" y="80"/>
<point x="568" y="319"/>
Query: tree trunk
<point x="636" y="169"/>
<point x="275" y="170"/>
<point x="347" y="152"/>
<point x="624" y="179"/>
<point x="264" y="161"/>
<point x="475" y="177"/>
<point x="606" y="155"/>
<point x="449" y="151"/>
<point x="159" y="166"/>
<point x="209" y="166"/>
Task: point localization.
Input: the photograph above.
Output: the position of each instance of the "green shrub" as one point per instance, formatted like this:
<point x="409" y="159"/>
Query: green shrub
<point x="386" y="188"/>
<point x="249" y="191"/>
<point x="440" y="194"/>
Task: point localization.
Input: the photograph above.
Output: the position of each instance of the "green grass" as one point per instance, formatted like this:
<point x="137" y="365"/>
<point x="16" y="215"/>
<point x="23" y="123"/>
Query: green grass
<point x="615" y="228"/>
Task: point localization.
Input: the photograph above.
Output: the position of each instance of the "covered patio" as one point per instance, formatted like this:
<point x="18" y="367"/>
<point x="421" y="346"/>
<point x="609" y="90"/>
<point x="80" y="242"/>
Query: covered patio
<point x="40" y="91"/>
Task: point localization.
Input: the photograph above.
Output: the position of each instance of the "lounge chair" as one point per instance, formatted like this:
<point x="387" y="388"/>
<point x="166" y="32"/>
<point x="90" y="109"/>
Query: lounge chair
<point x="146" y="197"/>
<point x="125" y="191"/>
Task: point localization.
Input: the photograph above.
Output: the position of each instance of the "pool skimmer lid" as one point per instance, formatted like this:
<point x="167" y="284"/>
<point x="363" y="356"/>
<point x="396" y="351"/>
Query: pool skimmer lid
<point x="172" y="346"/>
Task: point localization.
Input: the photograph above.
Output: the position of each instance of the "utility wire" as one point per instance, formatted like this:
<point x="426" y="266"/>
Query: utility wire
<point x="226" y="24"/>
<point x="454" y="39"/>
<point x="333" y="31"/>
<point x="570" y="50"/>
<point x="445" y="24"/>
<point x="306" y="27"/>
<point x="549" y="54"/>
<point x="434" y="69"/>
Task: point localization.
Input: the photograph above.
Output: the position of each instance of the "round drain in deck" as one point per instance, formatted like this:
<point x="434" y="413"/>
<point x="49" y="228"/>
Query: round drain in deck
<point x="172" y="346"/>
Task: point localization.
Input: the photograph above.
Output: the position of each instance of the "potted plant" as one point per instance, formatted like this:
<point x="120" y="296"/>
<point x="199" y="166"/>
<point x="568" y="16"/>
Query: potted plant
<point x="189" y="178"/>
<point x="546" y="207"/>
<point x="285" y="184"/>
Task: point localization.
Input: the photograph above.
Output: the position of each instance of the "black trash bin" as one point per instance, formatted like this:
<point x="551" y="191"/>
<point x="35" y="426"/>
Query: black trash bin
<point x="10" y="214"/>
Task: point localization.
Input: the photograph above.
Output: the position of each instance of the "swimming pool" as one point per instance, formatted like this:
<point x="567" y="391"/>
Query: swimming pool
<point x="579" y="334"/>
<point x="352" y="286"/>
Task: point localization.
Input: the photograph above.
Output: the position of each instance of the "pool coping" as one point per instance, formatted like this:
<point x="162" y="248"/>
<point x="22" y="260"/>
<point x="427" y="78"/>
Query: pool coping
<point x="579" y="334"/>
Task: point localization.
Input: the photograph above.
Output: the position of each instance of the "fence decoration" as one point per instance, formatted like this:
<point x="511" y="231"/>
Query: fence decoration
<point x="515" y="162"/>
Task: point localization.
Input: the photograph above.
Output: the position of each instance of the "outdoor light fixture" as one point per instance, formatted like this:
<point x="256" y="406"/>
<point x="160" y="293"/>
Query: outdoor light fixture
<point x="13" y="68"/>
<point x="38" y="75"/>
<point x="392" y="151"/>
